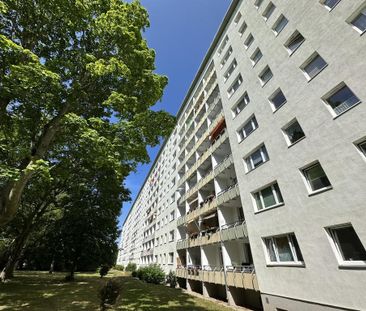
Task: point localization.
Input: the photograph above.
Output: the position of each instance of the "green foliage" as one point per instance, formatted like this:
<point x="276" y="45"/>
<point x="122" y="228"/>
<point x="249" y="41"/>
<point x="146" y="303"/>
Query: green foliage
<point x="119" y="267"/>
<point x="151" y="274"/>
<point x="171" y="279"/>
<point x="103" y="270"/>
<point x="131" y="266"/>
<point x="134" y="274"/>
<point x="79" y="76"/>
<point x="109" y="293"/>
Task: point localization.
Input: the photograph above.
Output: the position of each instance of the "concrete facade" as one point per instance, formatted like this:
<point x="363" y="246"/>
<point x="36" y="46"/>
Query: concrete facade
<point x="224" y="224"/>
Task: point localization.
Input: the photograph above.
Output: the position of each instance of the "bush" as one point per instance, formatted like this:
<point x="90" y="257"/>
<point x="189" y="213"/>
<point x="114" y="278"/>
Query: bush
<point x="103" y="270"/>
<point x="131" y="267"/>
<point x="171" y="279"/>
<point x="134" y="274"/>
<point x="108" y="294"/>
<point x="151" y="274"/>
<point x="119" y="267"/>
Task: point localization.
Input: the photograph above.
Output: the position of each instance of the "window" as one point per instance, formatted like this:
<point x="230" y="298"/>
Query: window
<point x="283" y="249"/>
<point x="313" y="66"/>
<point x="362" y="147"/>
<point x="293" y="132"/>
<point x="249" y="40"/>
<point x="277" y="99"/>
<point x="268" y="11"/>
<point x="242" y="28"/>
<point x="279" y="24"/>
<point x="256" y="56"/>
<point x="330" y="4"/>
<point x="293" y="43"/>
<point x="256" y="158"/>
<point x="265" y="75"/>
<point x="171" y="236"/>
<point x="240" y="105"/>
<point x="223" y="44"/>
<point x="237" y="18"/>
<point x="172" y="215"/>
<point x="347" y="245"/>
<point x="268" y="197"/>
<point x="359" y="22"/>
<point x="258" y="3"/>
<point x="248" y="128"/>
<point x="230" y="70"/>
<point x="315" y="178"/>
<point x="171" y="258"/>
<point x="342" y="99"/>
<point x="238" y="81"/>
<point x="226" y="56"/>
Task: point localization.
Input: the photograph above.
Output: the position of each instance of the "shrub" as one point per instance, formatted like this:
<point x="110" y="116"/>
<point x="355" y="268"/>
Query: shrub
<point x="171" y="279"/>
<point x="108" y="294"/>
<point x="119" y="267"/>
<point x="131" y="267"/>
<point x="151" y="274"/>
<point x="134" y="273"/>
<point x="103" y="270"/>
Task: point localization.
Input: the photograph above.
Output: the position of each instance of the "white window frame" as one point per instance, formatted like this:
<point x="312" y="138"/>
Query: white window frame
<point x="243" y="28"/>
<point x="231" y="90"/>
<point x="274" y="94"/>
<point x="360" y="150"/>
<point x="308" y="62"/>
<point x="252" y="57"/>
<point x="230" y="70"/>
<point x="334" y="242"/>
<point x="334" y="91"/>
<point x="270" y="8"/>
<point x="285" y="127"/>
<point x="275" y="195"/>
<point x="258" y="3"/>
<point x="306" y="180"/>
<point x="237" y="18"/>
<point x="277" y="22"/>
<point x="242" y="98"/>
<point x="248" y="41"/>
<point x="264" y="156"/>
<point x="353" y="17"/>
<point x="222" y="45"/>
<point x="289" y="236"/>
<point x="322" y="2"/>
<point x="292" y="37"/>
<point x="226" y="56"/>
<point x="263" y="83"/>
<point x="241" y="129"/>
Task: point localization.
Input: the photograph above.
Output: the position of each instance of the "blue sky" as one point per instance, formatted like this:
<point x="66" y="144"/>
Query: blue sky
<point x="180" y="33"/>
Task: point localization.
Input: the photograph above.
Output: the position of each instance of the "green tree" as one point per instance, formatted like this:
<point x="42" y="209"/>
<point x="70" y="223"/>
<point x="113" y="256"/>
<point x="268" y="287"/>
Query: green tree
<point x="74" y="64"/>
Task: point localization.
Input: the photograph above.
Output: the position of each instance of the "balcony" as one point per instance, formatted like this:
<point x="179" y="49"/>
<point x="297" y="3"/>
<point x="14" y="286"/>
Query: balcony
<point x="228" y="194"/>
<point x="181" y="220"/>
<point x="181" y="272"/>
<point x="193" y="272"/>
<point x="242" y="277"/>
<point x="147" y="252"/>
<point x="182" y="244"/>
<point x="223" y="165"/>
<point x="211" y="274"/>
<point x="234" y="231"/>
<point x="148" y="238"/>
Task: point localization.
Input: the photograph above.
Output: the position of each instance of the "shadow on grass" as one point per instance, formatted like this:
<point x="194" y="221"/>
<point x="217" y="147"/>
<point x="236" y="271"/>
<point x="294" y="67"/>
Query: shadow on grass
<point x="137" y="296"/>
<point x="42" y="291"/>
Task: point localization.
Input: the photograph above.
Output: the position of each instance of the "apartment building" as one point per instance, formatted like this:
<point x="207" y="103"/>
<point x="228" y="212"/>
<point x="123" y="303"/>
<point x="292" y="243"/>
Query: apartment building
<point x="268" y="162"/>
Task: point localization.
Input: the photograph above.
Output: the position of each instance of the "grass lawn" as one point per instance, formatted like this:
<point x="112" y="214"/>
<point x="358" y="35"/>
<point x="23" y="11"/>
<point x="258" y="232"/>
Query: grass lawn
<point x="42" y="291"/>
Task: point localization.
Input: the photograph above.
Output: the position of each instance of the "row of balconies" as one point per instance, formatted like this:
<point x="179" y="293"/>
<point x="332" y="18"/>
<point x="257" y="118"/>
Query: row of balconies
<point x="204" y="156"/>
<point x="234" y="231"/>
<point x="200" y="123"/>
<point x="216" y="121"/>
<point x="240" y="276"/>
<point x="147" y="252"/>
<point x="223" y="197"/>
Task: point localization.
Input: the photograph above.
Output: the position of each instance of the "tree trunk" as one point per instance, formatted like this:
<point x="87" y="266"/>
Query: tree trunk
<point x="11" y="193"/>
<point x="15" y="253"/>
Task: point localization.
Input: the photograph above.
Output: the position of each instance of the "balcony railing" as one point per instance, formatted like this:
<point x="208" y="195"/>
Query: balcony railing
<point x="234" y="231"/>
